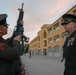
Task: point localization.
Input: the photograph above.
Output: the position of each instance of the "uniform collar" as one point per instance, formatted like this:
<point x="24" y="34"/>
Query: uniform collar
<point x="74" y="32"/>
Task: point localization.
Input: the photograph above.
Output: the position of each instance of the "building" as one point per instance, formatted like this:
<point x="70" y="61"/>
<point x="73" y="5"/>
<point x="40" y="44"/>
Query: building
<point x="33" y="46"/>
<point x="50" y="38"/>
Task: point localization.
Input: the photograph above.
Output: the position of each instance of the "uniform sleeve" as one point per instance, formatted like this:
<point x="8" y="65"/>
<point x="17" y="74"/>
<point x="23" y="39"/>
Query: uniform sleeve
<point x="17" y="67"/>
<point x="74" y="48"/>
<point x="18" y="45"/>
<point x="9" y="53"/>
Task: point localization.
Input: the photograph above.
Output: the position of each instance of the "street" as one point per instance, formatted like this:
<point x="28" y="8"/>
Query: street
<point x="43" y="65"/>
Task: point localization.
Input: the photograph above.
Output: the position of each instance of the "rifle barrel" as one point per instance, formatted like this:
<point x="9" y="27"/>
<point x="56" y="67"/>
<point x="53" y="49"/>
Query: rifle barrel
<point x="22" y="5"/>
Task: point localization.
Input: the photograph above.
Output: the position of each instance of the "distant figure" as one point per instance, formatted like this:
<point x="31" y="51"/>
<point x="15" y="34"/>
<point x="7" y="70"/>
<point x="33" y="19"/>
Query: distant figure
<point x="44" y="52"/>
<point x="30" y="54"/>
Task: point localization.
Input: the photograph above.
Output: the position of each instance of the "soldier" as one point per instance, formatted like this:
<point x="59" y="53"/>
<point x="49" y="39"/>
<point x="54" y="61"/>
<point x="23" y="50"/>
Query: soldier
<point x="7" y="54"/>
<point x="69" y="47"/>
<point x="30" y="54"/>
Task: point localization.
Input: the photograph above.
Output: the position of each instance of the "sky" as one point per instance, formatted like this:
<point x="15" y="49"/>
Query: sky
<point x="36" y="13"/>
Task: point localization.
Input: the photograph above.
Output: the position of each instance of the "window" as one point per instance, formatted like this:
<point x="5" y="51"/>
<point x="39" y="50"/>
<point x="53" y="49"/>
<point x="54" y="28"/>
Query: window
<point x="74" y="12"/>
<point x="57" y="38"/>
<point x="50" y="40"/>
<point x="50" y="30"/>
<point x="56" y="26"/>
<point x="64" y="34"/>
<point x="56" y="49"/>
<point x="49" y="49"/>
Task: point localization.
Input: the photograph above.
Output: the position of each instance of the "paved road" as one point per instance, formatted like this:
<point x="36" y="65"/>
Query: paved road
<point x="43" y="65"/>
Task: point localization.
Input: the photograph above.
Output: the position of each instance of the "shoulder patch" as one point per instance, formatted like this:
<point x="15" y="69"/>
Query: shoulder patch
<point x="2" y="46"/>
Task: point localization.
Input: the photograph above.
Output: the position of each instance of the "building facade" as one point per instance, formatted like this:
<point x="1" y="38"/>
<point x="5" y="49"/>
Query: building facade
<point x="50" y="38"/>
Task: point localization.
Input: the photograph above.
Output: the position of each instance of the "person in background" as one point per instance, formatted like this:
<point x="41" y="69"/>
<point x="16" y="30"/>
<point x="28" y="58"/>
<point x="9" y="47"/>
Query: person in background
<point x="69" y="47"/>
<point x="30" y="54"/>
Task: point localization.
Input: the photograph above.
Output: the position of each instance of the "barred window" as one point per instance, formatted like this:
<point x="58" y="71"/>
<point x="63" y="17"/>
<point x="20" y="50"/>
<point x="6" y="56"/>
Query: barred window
<point x="50" y="49"/>
<point x="56" y="49"/>
<point x="50" y="40"/>
<point x="50" y="30"/>
<point x="64" y="34"/>
<point x="57" y="38"/>
<point x="56" y="26"/>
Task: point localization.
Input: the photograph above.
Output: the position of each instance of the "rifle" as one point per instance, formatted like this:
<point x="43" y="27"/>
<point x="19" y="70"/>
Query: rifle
<point x="18" y="30"/>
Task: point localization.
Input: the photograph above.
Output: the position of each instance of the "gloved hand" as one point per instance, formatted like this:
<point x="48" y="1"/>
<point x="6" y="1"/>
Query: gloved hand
<point x="18" y="38"/>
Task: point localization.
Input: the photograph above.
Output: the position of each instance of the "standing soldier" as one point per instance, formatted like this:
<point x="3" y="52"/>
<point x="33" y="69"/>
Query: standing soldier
<point x="7" y="54"/>
<point x="30" y="54"/>
<point x="69" y="47"/>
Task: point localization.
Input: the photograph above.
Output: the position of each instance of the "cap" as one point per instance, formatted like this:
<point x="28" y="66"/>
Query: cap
<point x="3" y="19"/>
<point x="67" y="18"/>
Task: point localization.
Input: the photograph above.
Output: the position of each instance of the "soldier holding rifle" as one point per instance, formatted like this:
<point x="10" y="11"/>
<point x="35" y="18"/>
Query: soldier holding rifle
<point x="10" y="49"/>
<point x="7" y="54"/>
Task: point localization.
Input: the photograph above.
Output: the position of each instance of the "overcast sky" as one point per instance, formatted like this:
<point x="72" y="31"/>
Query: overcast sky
<point x="36" y="13"/>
